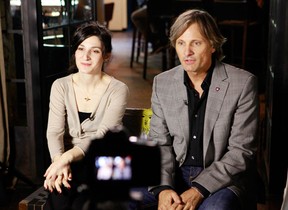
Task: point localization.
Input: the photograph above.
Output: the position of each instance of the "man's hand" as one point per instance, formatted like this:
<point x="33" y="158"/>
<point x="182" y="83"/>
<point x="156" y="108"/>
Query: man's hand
<point x="191" y="198"/>
<point x="168" y="199"/>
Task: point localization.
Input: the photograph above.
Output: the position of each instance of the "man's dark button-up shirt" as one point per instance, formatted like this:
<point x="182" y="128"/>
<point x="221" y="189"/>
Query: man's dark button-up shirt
<point x="196" y="109"/>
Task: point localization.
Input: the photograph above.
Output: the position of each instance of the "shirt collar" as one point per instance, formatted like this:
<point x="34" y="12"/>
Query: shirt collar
<point x="206" y="82"/>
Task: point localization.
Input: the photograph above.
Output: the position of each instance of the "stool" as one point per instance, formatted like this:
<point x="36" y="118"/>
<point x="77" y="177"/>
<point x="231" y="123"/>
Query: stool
<point x="141" y="43"/>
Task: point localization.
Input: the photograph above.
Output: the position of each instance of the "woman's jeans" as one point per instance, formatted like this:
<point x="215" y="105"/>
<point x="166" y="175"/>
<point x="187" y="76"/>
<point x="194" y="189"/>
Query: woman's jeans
<point x="223" y="199"/>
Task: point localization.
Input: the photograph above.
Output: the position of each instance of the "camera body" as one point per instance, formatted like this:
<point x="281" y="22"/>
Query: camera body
<point x="114" y="165"/>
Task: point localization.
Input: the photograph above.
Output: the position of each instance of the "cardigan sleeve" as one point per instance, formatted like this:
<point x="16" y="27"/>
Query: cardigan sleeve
<point x="56" y="120"/>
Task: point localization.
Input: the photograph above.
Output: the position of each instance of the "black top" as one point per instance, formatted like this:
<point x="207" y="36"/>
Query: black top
<point x="196" y="110"/>
<point x="83" y="116"/>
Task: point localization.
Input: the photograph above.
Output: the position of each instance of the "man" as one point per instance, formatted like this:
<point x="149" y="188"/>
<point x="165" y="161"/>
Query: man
<point x="205" y="118"/>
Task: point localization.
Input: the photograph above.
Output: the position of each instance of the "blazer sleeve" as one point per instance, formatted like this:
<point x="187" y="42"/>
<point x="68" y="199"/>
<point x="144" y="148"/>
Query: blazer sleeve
<point x="159" y="132"/>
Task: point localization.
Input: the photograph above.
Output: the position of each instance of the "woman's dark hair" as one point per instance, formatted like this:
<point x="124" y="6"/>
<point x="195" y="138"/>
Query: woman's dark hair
<point x="207" y="25"/>
<point x="86" y="30"/>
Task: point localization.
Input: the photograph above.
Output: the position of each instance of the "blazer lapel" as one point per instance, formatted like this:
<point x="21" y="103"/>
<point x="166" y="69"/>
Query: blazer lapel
<point x="217" y="92"/>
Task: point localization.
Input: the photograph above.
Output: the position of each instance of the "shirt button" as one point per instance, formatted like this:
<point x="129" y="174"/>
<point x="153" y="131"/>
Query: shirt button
<point x="192" y="157"/>
<point x="194" y="137"/>
<point x="195" y="115"/>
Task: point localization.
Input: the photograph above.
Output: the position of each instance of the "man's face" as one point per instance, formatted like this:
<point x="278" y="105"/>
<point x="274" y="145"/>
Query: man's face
<point x="194" y="50"/>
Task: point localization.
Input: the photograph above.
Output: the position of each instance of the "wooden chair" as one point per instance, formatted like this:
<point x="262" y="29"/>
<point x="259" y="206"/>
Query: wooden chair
<point x="236" y="14"/>
<point x="244" y="24"/>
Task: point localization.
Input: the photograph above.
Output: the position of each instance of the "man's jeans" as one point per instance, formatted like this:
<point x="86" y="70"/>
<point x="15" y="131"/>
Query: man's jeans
<point x="223" y="199"/>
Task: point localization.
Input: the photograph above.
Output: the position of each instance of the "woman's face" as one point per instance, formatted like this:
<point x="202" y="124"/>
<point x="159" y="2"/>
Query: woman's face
<point x="89" y="56"/>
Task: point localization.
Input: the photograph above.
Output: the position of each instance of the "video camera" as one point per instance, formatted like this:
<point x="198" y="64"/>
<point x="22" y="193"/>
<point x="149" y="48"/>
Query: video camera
<point x="115" y="165"/>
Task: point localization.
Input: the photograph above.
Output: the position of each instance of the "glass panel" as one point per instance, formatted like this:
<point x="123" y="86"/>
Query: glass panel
<point x="17" y="104"/>
<point x="53" y="13"/>
<point x="15" y="11"/>
<point x="14" y="65"/>
<point x="59" y="12"/>
<point x="81" y="10"/>
<point x="19" y="57"/>
<point x="60" y="18"/>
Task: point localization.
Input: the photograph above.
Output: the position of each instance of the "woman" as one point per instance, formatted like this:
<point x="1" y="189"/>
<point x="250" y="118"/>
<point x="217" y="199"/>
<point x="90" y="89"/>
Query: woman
<point x="83" y="105"/>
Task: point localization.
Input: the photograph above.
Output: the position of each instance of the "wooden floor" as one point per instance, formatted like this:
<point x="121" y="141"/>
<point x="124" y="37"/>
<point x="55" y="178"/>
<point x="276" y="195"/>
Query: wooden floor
<point x="140" y="93"/>
<point x="119" y="67"/>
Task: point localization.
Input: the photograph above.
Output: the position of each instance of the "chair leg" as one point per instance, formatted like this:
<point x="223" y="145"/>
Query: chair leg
<point x="145" y="58"/>
<point x="139" y="40"/>
<point x="133" y="47"/>
<point x="138" y="50"/>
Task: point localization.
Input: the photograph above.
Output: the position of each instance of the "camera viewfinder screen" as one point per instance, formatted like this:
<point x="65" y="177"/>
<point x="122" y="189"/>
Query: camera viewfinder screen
<point x="113" y="168"/>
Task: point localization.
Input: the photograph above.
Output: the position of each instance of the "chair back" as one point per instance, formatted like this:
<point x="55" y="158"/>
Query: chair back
<point x="235" y="9"/>
<point x="109" y="9"/>
<point x="137" y="121"/>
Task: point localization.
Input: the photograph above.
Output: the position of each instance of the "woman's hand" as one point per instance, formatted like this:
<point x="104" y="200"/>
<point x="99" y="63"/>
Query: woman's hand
<point x="58" y="174"/>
